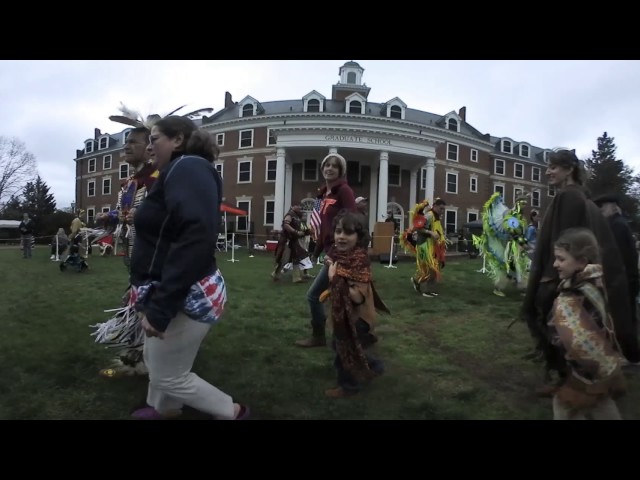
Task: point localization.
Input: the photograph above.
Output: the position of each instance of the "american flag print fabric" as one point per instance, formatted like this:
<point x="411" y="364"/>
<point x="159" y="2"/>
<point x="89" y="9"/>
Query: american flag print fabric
<point x="314" y="219"/>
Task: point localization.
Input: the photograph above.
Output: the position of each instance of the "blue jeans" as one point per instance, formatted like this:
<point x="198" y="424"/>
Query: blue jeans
<point x="319" y="285"/>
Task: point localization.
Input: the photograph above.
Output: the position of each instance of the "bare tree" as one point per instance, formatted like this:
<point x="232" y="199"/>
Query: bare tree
<point x="17" y="167"/>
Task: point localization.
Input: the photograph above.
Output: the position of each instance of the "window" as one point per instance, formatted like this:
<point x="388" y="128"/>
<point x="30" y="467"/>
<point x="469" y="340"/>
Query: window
<point x="106" y="162"/>
<point x="106" y="209"/>
<point x="244" y="171"/>
<point x="124" y="171"/>
<point x="499" y="187"/>
<point x="91" y="214"/>
<point x="452" y="152"/>
<point x="313" y="105"/>
<point x="271" y="171"/>
<point x="106" y="186"/>
<point x="535" y="174"/>
<point x="545" y="157"/>
<point x="395" y="111"/>
<point x="506" y="146"/>
<point x="242" y="221"/>
<point x="517" y="192"/>
<point x="423" y="178"/>
<point x="473" y="184"/>
<point x="220" y="139"/>
<point x="474" y="155"/>
<point x="394" y="176"/>
<point x="535" y="198"/>
<point x="524" y="151"/>
<point x="551" y="191"/>
<point x="472" y="216"/>
<point x="452" y="182"/>
<point x="271" y="137"/>
<point x="247" y="110"/>
<point x="451" y="221"/>
<point x="351" y="77"/>
<point x="246" y="138"/>
<point x="91" y="188"/>
<point x="355" y="106"/>
<point x="499" y="167"/>
<point x="125" y="135"/>
<point x="104" y="143"/>
<point x="219" y="168"/>
<point x="88" y="146"/>
<point x="452" y="124"/>
<point x="310" y="170"/>
<point x="518" y="170"/>
<point x="269" y="207"/>
<point x="92" y="165"/>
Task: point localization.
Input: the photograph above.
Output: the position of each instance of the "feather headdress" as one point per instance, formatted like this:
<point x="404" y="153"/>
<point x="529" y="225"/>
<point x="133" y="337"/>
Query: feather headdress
<point x="133" y="118"/>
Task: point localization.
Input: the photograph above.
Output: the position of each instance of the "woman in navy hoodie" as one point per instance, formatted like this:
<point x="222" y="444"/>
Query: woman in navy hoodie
<point x="180" y="290"/>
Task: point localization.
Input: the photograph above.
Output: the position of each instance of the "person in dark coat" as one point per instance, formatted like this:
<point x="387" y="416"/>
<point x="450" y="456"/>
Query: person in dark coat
<point x="610" y="208"/>
<point x="571" y="208"/>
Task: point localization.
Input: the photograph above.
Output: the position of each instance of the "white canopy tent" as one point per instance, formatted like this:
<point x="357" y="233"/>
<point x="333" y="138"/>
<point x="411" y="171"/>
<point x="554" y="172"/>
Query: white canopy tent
<point x="9" y="223"/>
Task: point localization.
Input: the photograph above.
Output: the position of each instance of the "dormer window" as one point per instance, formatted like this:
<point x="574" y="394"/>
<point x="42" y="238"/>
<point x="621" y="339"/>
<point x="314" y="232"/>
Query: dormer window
<point x="545" y="156"/>
<point x="355" y="103"/>
<point x="452" y="122"/>
<point x="88" y="146"/>
<point x="354" y="107"/>
<point x="507" y="146"/>
<point x="313" y="102"/>
<point x="125" y="135"/>
<point x="248" y="110"/>
<point x="103" y="143"/>
<point x="524" y="151"/>
<point x="394" y="108"/>
<point x="249" y="107"/>
<point x="313" y="105"/>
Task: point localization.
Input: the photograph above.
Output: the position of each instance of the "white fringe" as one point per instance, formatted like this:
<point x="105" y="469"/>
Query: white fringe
<point x="122" y="330"/>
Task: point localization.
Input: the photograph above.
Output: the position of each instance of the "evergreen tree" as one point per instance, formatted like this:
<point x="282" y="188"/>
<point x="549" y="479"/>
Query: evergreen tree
<point x="608" y="174"/>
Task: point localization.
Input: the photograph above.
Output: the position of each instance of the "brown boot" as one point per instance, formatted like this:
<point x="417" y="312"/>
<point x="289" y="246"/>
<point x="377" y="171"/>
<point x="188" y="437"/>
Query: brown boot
<point x="317" y="339"/>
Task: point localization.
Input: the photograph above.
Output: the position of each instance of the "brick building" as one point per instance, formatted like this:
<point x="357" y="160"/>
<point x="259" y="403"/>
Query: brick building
<point x="271" y="151"/>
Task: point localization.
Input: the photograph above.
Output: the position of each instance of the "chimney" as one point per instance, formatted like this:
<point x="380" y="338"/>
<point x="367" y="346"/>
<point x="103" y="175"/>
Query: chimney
<point x="463" y="113"/>
<point x="228" y="102"/>
<point x="96" y="133"/>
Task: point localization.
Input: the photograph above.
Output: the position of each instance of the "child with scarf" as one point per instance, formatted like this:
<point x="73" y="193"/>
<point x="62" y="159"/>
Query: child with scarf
<point x="354" y="302"/>
<point x="582" y="331"/>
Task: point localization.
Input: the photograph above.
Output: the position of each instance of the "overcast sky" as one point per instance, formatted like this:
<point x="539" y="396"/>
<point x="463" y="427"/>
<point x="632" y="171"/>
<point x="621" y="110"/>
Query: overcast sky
<point x="53" y="106"/>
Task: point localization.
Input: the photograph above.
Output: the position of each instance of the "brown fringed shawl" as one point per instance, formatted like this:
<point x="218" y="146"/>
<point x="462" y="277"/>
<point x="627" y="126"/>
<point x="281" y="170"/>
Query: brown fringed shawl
<point x="353" y="266"/>
<point x="581" y="327"/>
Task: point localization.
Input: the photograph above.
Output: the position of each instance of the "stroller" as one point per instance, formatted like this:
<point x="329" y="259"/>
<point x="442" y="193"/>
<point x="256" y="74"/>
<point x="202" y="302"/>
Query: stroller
<point x="74" y="259"/>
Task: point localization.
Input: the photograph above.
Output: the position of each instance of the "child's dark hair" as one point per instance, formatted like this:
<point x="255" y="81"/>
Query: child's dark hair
<point x="580" y="243"/>
<point x="353" y="222"/>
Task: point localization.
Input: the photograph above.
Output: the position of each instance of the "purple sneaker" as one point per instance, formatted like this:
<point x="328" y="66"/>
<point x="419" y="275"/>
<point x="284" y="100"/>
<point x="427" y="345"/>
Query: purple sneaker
<point x="147" y="413"/>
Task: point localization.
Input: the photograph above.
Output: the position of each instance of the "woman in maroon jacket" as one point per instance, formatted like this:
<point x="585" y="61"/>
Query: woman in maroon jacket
<point x="336" y="195"/>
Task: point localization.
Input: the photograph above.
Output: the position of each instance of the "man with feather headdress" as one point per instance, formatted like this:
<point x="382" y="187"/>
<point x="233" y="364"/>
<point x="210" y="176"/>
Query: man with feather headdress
<point x="123" y="330"/>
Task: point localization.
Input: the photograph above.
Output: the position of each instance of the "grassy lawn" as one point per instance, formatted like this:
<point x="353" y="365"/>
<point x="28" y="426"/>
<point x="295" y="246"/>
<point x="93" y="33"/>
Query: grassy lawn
<point x="446" y="358"/>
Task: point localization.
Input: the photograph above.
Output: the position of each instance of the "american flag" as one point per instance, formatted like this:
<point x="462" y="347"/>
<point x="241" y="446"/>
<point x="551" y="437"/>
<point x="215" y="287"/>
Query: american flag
<point x="314" y="219"/>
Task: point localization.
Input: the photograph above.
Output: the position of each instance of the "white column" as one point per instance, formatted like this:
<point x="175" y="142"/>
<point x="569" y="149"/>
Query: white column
<point x="278" y="209"/>
<point x="383" y="186"/>
<point x="412" y="187"/>
<point x="373" y="197"/>
<point x="431" y="175"/>
<point x="288" y="185"/>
